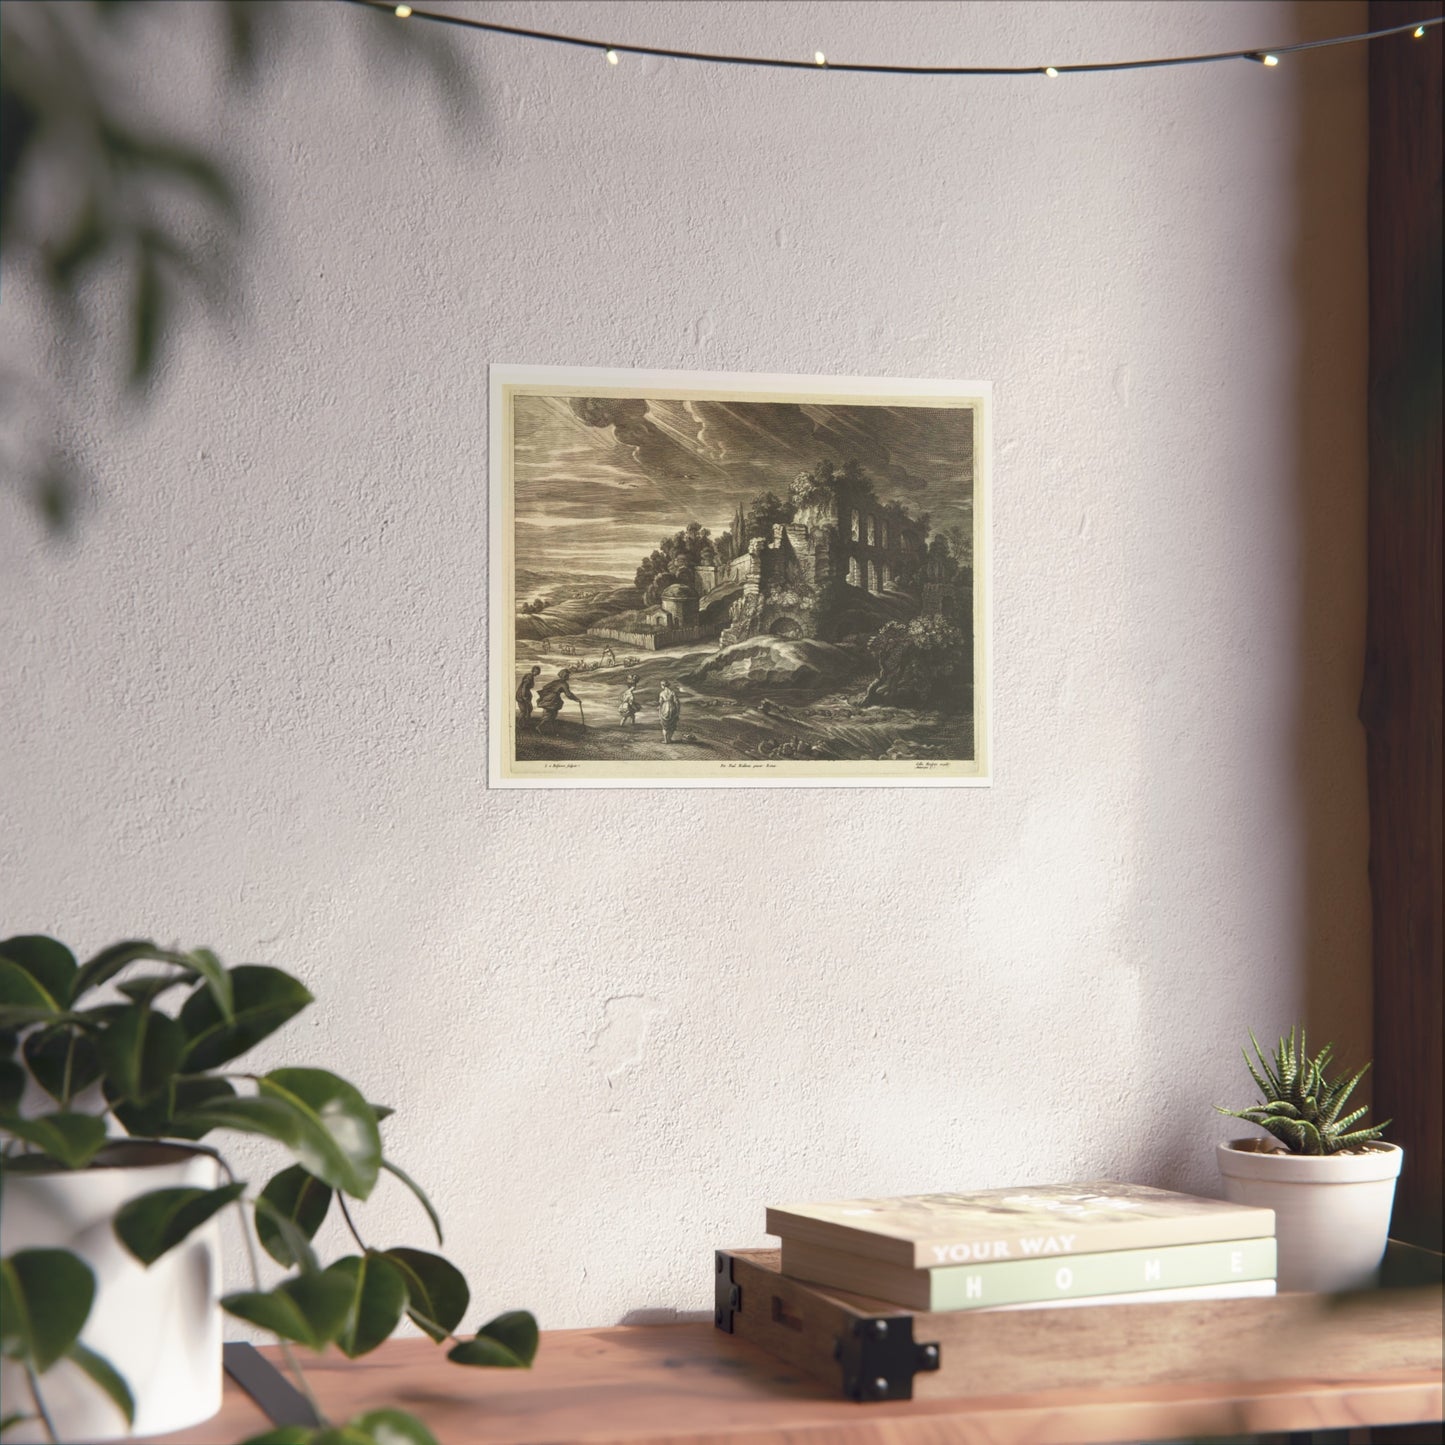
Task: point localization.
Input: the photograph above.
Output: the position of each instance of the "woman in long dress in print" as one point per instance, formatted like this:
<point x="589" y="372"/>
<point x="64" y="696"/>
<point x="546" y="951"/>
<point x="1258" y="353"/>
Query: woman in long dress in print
<point x="669" y="709"/>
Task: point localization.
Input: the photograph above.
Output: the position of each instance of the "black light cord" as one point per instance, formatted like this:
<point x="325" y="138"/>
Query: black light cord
<point x="613" y="49"/>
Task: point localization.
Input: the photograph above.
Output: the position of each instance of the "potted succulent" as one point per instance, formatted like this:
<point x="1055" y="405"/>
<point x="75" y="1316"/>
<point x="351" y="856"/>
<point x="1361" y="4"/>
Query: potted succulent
<point x="1331" y="1185"/>
<point x="113" y="1086"/>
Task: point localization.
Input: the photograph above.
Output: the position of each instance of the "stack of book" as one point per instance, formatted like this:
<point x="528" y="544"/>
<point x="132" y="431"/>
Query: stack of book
<point x="1031" y="1247"/>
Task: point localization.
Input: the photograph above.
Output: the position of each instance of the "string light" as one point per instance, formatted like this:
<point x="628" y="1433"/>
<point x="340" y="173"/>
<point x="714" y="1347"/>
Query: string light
<point x="1260" y="56"/>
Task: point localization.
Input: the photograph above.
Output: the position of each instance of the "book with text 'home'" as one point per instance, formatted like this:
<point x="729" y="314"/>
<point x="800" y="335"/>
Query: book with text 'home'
<point x="926" y="1231"/>
<point x="1245" y="1289"/>
<point x="1032" y="1281"/>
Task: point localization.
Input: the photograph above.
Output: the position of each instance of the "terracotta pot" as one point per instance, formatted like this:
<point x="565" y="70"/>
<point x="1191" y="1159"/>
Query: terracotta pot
<point x="160" y="1327"/>
<point x="1331" y="1211"/>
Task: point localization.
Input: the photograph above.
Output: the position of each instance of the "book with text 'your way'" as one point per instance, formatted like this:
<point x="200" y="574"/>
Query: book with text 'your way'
<point x="927" y="1231"/>
<point x="1121" y="1272"/>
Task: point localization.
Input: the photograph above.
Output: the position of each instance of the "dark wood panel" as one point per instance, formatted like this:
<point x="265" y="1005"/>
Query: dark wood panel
<point x="1401" y="700"/>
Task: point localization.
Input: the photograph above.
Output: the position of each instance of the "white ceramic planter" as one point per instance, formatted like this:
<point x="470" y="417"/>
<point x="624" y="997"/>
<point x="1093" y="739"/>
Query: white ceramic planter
<point x="1331" y="1212"/>
<point x="160" y="1327"/>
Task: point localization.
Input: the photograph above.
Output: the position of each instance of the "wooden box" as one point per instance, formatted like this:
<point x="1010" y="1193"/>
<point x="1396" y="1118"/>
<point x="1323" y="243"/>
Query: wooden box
<point x="871" y="1350"/>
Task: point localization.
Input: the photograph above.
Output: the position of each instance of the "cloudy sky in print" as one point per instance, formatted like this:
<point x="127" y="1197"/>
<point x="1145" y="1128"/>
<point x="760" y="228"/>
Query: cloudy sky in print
<point x="600" y="479"/>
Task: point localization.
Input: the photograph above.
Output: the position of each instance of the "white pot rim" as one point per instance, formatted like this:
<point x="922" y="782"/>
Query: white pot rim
<point x="115" y="1153"/>
<point x="1254" y="1158"/>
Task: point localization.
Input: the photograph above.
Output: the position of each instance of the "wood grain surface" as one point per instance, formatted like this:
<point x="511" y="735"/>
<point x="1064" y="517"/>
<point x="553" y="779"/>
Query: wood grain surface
<point x="670" y="1384"/>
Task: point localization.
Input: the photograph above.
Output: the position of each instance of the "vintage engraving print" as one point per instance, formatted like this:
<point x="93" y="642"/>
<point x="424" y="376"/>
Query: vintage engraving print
<point x="737" y="580"/>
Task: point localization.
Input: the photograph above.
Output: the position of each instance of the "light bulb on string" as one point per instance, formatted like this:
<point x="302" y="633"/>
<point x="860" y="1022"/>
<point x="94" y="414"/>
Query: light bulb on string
<point x="1260" y="57"/>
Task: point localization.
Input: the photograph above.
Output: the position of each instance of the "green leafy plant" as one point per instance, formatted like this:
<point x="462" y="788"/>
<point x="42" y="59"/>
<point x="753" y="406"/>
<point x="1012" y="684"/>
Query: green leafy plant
<point x="1302" y="1108"/>
<point x="171" y="1075"/>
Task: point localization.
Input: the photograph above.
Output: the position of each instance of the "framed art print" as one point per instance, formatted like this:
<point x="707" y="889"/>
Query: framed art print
<point x="737" y="580"/>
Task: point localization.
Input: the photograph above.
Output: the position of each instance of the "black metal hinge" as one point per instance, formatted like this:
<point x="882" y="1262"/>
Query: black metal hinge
<point x="880" y="1358"/>
<point x="727" y="1296"/>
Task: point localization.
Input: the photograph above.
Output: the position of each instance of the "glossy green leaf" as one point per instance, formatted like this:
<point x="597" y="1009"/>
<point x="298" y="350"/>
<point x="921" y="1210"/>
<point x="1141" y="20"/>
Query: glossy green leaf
<point x="299" y="1197"/>
<point x="45" y="1300"/>
<point x="141" y="1121"/>
<point x="437" y="1293"/>
<point x="210" y="968"/>
<point x="148" y="988"/>
<point x="188" y="1094"/>
<point x="392" y="1427"/>
<point x="12" y="1086"/>
<point x="64" y="1061"/>
<point x="341" y="1435"/>
<point x="517" y="1330"/>
<point x="340" y="1143"/>
<point x="10" y="1041"/>
<point x="382" y="1111"/>
<point x="96" y="1018"/>
<point x="23" y="999"/>
<point x="378" y="1296"/>
<point x="278" y="1115"/>
<point x="507" y="1342"/>
<point x="151" y="1224"/>
<point x="263" y="999"/>
<point x="72" y="1139"/>
<point x="141" y="1051"/>
<point x="310" y="1310"/>
<point x="283" y="1435"/>
<point x="303" y="1257"/>
<point x="14" y="1325"/>
<point x="104" y="1374"/>
<point x="20" y="1016"/>
<point x="486" y="1353"/>
<point x="110" y="961"/>
<point x="269" y="1117"/>
<point x="164" y="1117"/>
<point x="416" y="1189"/>
<point x="50" y="964"/>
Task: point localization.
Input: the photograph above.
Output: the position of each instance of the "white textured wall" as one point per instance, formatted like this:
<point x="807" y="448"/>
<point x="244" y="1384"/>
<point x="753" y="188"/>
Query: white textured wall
<point x="244" y="706"/>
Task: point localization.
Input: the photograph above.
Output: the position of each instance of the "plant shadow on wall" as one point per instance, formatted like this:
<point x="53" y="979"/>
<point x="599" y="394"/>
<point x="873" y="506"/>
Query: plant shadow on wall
<point x="102" y="212"/>
<point x="92" y="1335"/>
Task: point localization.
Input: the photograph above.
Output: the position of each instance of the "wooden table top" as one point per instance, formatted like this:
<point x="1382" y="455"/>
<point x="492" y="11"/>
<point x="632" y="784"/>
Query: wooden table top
<point x="692" y="1384"/>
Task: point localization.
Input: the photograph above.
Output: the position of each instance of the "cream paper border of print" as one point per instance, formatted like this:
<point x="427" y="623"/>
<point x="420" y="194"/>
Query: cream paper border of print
<point x="508" y="381"/>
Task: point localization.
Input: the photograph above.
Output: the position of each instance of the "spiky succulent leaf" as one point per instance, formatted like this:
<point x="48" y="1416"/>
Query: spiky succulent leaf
<point x="1346" y="1088"/>
<point x="1360" y="1136"/>
<point x="1338" y="1126"/>
<point x="1299" y="1104"/>
<point x="1285" y="1065"/>
<point x="1259" y="1082"/>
